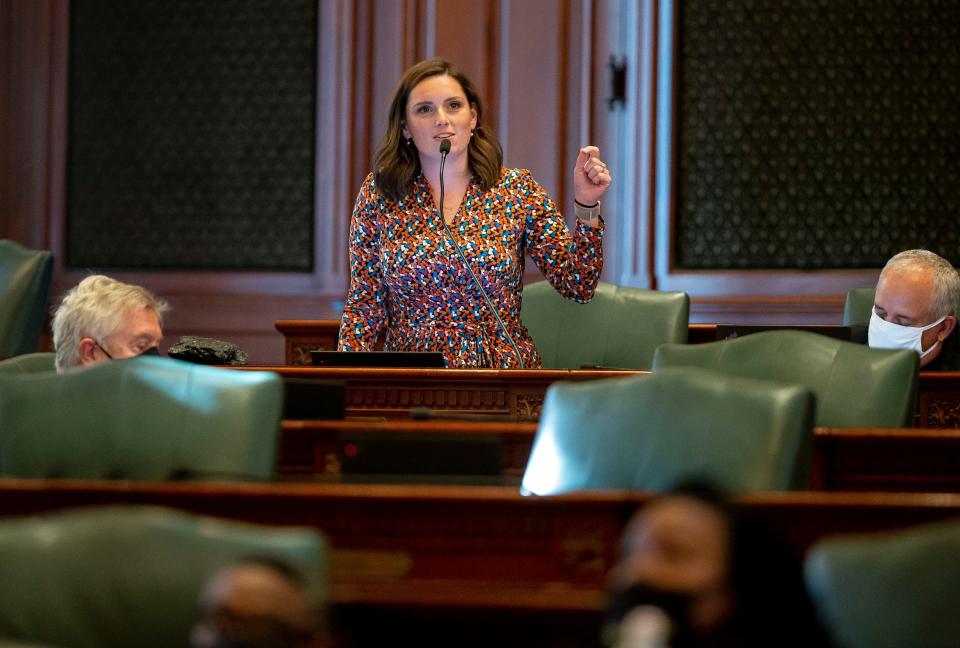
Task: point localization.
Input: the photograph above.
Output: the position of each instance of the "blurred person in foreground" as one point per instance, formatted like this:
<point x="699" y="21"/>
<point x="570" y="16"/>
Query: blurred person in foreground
<point x="695" y="572"/>
<point x="258" y="602"/>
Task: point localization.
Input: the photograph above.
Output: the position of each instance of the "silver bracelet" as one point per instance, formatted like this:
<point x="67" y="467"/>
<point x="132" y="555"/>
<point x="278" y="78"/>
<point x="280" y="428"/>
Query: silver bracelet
<point x="585" y="213"/>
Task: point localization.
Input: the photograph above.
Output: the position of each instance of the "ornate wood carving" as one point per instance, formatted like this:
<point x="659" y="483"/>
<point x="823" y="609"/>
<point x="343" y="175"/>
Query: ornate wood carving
<point x="589" y="552"/>
<point x="519" y="393"/>
<point x="404" y="398"/>
<point x="943" y="412"/>
<point x="529" y="406"/>
<point x="298" y="353"/>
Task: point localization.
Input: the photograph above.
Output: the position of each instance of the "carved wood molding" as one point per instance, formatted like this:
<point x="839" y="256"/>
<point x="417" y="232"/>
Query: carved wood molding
<point x="942" y="411"/>
<point x="520" y="393"/>
<point x="298" y="351"/>
<point x="529" y="406"/>
<point x="380" y="398"/>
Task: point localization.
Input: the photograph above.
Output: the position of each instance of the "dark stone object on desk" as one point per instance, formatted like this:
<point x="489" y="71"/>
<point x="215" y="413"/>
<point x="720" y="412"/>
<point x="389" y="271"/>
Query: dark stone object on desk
<point x="207" y="351"/>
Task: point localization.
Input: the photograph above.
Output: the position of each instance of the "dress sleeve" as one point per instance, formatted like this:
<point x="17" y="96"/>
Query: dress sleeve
<point x="365" y="310"/>
<point x="571" y="262"/>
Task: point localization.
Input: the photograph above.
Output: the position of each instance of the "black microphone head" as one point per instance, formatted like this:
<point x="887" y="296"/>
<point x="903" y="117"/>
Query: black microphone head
<point x="444" y="147"/>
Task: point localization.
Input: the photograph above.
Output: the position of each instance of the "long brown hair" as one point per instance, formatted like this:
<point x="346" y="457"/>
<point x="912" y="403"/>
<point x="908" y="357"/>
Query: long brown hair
<point x="396" y="163"/>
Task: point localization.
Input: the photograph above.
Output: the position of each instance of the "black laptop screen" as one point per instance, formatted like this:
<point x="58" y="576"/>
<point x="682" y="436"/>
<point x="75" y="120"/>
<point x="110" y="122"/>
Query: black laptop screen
<point x="426" y="359"/>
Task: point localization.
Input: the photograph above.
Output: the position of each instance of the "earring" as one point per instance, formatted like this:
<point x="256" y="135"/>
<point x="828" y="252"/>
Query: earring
<point x="471" y="132"/>
<point x="409" y="141"/>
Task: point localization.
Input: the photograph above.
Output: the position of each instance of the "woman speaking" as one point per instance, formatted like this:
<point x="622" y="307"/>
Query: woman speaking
<point x="440" y="229"/>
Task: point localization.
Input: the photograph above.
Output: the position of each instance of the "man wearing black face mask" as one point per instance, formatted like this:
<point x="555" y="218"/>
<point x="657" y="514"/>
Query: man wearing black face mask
<point x="644" y="616"/>
<point x="102" y="319"/>
<point x="695" y="573"/>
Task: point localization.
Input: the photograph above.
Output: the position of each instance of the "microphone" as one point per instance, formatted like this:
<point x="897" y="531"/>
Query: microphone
<point x="444" y="150"/>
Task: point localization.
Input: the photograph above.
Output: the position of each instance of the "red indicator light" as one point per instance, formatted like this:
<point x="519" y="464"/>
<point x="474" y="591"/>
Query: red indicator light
<point x="350" y="450"/>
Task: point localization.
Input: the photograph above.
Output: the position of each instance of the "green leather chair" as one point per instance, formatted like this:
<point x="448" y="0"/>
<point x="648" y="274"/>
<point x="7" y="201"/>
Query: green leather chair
<point x="858" y="307"/>
<point x="144" y="418"/>
<point x="890" y="589"/>
<point x="649" y="432"/>
<point x="29" y="363"/>
<point x="129" y="576"/>
<point x="855" y="386"/>
<point x="619" y="327"/>
<point x="24" y="288"/>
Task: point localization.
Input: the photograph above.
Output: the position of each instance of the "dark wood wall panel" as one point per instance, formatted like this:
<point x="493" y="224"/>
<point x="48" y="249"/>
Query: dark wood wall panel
<point x="27" y="85"/>
<point x="533" y="81"/>
<point x="468" y="32"/>
<point x="6" y="124"/>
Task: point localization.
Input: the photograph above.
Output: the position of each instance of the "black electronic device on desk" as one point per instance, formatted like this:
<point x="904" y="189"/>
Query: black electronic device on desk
<point x="313" y="399"/>
<point x="383" y="457"/>
<point x="409" y="359"/>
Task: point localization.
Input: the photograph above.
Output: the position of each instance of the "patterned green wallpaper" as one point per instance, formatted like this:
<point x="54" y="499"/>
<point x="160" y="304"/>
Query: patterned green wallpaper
<point x="191" y="134"/>
<point x="816" y="133"/>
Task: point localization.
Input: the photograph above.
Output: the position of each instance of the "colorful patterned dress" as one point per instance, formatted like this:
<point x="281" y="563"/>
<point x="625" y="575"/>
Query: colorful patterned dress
<point x="405" y="274"/>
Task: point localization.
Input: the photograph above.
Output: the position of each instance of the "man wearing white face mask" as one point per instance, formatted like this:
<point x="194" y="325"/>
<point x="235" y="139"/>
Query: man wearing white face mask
<point x="914" y="309"/>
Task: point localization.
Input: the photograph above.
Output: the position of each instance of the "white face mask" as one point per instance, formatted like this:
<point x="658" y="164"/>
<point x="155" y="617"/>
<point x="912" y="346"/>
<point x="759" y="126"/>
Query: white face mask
<point x="887" y="335"/>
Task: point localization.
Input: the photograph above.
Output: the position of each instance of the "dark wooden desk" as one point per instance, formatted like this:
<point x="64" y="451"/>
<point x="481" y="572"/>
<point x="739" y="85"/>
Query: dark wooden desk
<point x="886" y="460"/>
<point x="892" y="460"/>
<point x="468" y="547"/>
<point x="390" y="393"/>
<point x="484" y="564"/>
<point x="311" y="449"/>
<point x="519" y="393"/>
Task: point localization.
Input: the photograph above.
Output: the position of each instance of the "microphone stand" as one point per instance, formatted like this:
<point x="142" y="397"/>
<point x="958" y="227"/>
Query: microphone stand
<point x="444" y="150"/>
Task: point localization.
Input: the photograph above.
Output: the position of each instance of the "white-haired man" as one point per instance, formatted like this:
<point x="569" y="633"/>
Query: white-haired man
<point x="102" y="319"/>
<point x="914" y="308"/>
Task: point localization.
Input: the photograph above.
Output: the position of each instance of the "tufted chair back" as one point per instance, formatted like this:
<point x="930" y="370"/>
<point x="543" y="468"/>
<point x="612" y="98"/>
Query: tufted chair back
<point x="144" y="418"/>
<point x="620" y="327"/>
<point x="24" y="289"/>
<point x="126" y="576"/>
<point x="855" y="386"/>
<point x="648" y="432"/>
